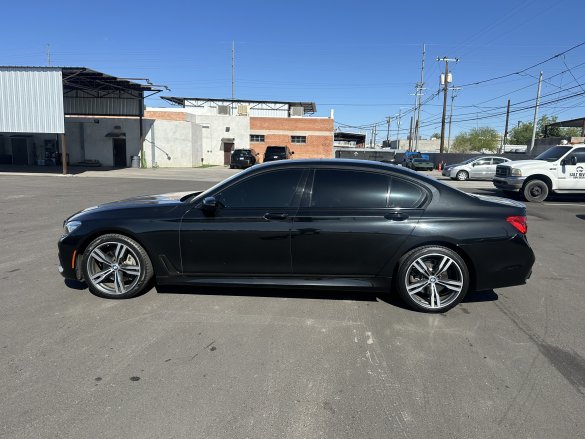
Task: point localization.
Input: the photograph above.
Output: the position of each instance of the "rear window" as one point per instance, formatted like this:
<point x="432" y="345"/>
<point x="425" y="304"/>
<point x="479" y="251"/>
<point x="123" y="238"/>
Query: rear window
<point x="276" y="150"/>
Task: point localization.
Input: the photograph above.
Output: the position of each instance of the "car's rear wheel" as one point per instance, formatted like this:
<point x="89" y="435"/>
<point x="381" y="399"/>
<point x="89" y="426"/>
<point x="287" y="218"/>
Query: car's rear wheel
<point x="535" y="191"/>
<point x="432" y="279"/>
<point x="462" y="175"/>
<point x="116" y="267"/>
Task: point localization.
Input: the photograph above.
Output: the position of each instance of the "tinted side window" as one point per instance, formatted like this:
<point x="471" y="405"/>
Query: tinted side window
<point x="336" y="188"/>
<point x="483" y="162"/>
<point x="271" y="189"/>
<point x="498" y="161"/>
<point x="405" y="194"/>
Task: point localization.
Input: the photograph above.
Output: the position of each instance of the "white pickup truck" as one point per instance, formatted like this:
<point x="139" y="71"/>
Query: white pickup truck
<point x="560" y="169"/>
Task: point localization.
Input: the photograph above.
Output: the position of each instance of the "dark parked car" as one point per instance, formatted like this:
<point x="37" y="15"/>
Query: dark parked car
<point x="420" y="164"/>
<point x="308" y="224"/>
<point x="273" y="153"/>
<point x="243" y="158"/>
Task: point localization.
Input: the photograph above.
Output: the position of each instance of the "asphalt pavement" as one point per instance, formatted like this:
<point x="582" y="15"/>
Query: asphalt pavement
<point x="226" y="363"/>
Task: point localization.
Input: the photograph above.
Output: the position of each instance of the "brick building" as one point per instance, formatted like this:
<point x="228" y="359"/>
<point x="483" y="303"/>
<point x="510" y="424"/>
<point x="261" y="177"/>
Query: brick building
<point x="205" y="130"/>
<point x="310" y="137"/>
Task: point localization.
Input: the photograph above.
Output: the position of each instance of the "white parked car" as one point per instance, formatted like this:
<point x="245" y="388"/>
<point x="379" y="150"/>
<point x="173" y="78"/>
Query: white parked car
<point x="475" y="168"/>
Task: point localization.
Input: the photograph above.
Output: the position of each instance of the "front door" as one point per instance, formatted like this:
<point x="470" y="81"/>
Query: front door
<point x="120" y="159"/>
<point x="249" y="233"/>
<point x="572" y="177"/>
<point x="481" y="168"/>
<point x="353" y="222"/>
<point x="227" y="153"/>
<point x="19" y="151"/>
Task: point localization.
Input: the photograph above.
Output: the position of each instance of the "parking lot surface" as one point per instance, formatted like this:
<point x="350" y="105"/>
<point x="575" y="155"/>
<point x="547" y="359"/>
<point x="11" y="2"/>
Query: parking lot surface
<point x="225" y="363"/>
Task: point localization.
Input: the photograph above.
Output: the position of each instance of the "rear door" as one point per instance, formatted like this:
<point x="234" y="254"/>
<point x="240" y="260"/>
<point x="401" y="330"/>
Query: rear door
<point x="351" y="222"/>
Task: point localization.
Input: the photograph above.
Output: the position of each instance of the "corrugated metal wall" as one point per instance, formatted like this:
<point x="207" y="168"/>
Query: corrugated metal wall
<point x="118" y="104"/>
<point x="31" y="100"/>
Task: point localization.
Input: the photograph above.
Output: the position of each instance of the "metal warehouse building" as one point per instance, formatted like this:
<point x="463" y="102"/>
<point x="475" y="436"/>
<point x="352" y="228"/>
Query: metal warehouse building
<point x="88" y="117"/>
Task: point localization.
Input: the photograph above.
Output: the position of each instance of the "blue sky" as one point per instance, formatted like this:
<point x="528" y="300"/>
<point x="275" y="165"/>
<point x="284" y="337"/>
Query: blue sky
<point x="361" y="59"/>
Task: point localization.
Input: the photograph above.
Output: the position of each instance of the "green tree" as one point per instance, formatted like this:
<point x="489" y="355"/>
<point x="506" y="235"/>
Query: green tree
<point x="436" y="136"/>
<point x="521" y="135"/>
<point x="477" y="139"/>
<point x="570" y="132"/>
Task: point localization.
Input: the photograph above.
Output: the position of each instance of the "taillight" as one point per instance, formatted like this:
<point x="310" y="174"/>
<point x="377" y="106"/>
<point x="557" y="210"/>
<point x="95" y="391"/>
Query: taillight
<point x="519" y="222"/>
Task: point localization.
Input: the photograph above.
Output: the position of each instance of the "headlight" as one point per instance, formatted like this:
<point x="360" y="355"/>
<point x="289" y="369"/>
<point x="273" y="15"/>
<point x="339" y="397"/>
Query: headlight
<point x="70" y="227"/>
<point x="516" y="172"/>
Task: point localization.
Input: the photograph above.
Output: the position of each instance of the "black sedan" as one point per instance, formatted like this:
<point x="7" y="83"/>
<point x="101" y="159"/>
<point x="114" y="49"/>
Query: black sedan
<point x="337" y="224"/>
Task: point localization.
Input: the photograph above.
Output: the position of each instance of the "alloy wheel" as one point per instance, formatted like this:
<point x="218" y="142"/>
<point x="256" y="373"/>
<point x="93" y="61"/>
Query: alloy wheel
<point x="113" y="268"/>
<point x="434" y="281"/>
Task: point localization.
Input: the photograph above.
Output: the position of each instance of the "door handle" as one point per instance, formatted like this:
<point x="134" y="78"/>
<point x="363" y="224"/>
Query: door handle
<point x="396" y="216"/>
<point x="275" y="216"/>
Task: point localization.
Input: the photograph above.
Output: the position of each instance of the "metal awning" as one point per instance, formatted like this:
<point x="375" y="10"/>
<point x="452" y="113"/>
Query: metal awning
<point x="308" y="107"/>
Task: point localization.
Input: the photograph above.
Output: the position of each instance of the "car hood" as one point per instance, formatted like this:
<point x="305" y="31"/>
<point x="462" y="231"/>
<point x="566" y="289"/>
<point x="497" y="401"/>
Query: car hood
<point x="169" y="199"/>
<point x="526" y="164"/>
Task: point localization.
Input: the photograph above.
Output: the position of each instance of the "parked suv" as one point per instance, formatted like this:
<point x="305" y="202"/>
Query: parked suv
<point x="243" y="158"/>
<point x="474" y="168"/>
<point x="277" y="153"/>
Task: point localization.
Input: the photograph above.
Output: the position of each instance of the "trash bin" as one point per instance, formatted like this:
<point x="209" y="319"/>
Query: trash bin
<point x="135" y="161"/>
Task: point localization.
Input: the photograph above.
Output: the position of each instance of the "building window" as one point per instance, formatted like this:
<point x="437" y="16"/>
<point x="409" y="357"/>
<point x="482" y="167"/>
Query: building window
<point x="256" y="137"/>
<point x="298" y="139"/>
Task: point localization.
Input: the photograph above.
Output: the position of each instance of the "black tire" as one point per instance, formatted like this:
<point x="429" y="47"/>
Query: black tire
<point x="535" y="191"/>
<point x="462" y="175"/>
<point x="130" y="268"/>
<point x="231" y="167"/>
<point x="420" y="297"/>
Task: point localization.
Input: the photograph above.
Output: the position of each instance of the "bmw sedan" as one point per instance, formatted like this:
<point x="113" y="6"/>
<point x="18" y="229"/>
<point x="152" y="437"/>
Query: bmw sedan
<point x="337" y="224"/>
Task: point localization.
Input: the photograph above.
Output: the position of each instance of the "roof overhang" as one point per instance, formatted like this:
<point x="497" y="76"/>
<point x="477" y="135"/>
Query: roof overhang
<point x="575" y="123"/>
<point x="309" y="107"/>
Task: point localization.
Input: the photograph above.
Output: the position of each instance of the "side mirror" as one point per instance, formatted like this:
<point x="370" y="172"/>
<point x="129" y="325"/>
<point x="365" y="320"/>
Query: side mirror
<point x="292" y="152"/>
<point x="563" y="162"/>
<point x="573" y="160"/>
<point x="474" y="164"/>
<point x="209" y="204"/>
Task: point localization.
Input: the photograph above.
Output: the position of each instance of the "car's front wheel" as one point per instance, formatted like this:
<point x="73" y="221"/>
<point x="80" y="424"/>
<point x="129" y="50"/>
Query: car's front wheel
<point x="116" y="267"/>
<point x="462" y="175"/>
<point x="432" y="279"/>
<point x="535" y="191"/>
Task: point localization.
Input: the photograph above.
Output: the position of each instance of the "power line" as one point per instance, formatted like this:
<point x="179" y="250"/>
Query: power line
<point x="525" y="69"/>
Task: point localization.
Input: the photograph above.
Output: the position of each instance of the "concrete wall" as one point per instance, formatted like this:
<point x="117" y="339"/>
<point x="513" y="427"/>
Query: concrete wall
<point x="86" y="140"/>
<point x="217" y="130"/>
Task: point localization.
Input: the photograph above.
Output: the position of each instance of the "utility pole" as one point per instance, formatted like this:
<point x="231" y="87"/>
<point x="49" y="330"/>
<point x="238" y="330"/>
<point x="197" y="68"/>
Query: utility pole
<point x="419" y="96"/>
<point x="410" y="135"/>
<point x="535" y="114"/>
<point x="505" y="139"/>
<point x="445" y="90"/>
<point x="49" y="55"/>
<point x="398" y="133"/>
<point x="389" y="122"/>
<point x="454" y="91"/>
<point x="233" y="69"/>
<point x="375" y="134"/>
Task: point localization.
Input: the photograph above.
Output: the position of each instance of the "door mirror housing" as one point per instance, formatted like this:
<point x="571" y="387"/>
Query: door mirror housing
<point x="209" y="204"/>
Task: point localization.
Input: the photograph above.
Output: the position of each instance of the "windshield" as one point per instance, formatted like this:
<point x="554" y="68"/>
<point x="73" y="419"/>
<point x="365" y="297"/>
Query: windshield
<point x="419" y="160"/>
<point x="555" y="153"/>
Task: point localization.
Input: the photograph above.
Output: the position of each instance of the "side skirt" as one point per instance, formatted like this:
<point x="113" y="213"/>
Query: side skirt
<point x="344" y="283"/>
